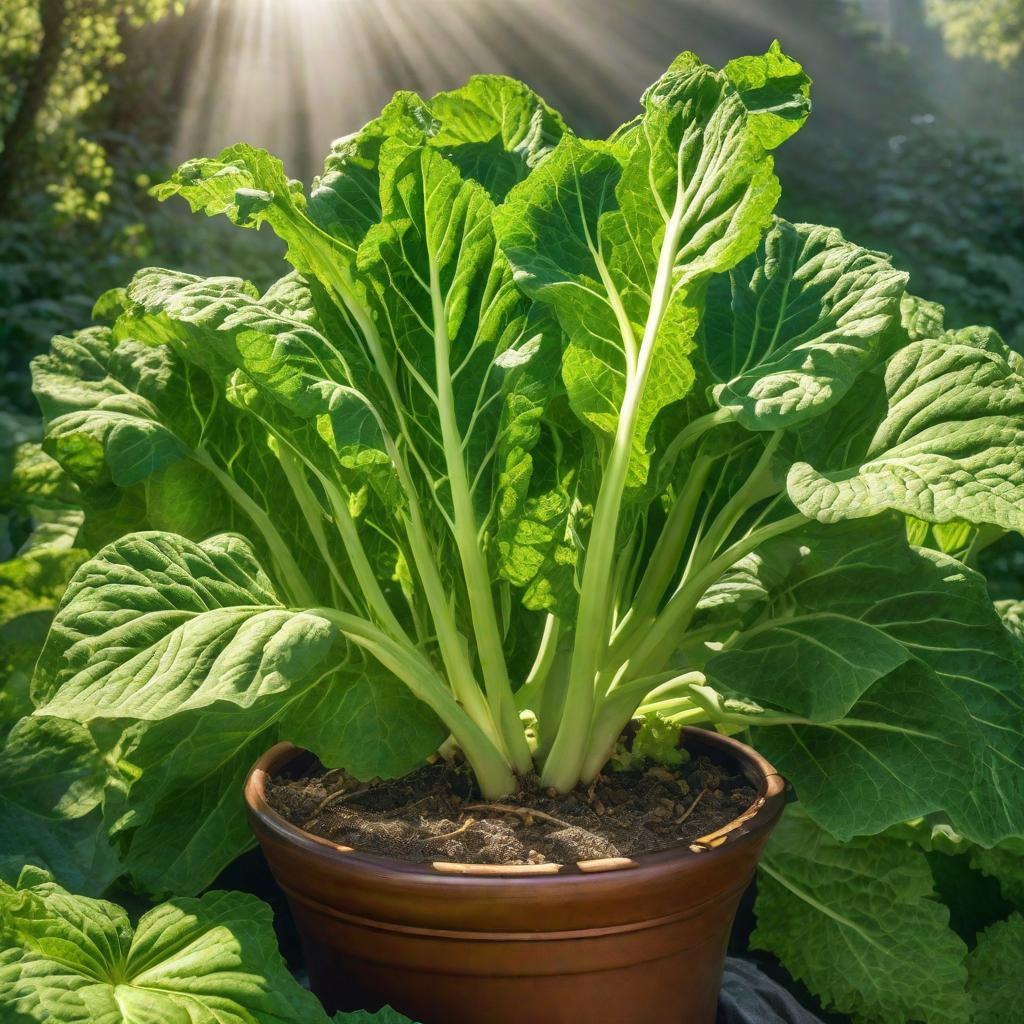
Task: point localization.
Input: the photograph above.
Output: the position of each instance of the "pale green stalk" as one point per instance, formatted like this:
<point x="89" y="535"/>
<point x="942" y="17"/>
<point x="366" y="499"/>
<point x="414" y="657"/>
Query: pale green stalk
<point x="313" y="513"/>
<point x="662" y="638"/>
<point x="664" y="560"/>
<point x="530" y="693"/>
<point x="490" y="648"/>
<point x="290" y="573"/>
<point x="489" y="765"/>
<point x="693" y="432"/>
<point x="562" y="768"/>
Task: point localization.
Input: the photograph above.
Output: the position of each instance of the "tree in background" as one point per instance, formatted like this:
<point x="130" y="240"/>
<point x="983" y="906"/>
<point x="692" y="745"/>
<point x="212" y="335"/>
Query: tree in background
<point x="990" y="29"/>
<point x="55" y="58"/>
<point x="86" y="116"/>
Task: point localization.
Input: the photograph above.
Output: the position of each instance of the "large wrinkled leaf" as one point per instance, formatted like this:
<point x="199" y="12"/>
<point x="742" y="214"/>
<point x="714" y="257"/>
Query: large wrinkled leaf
<point x="106" y="407"/>
<point x="246" y="185"/>
<point x="949" y="446"/>
<point x="993" y="969"/>
<point x="156" y="625"/>
<point x="221" y="325"/>
<point x="538" y="518"/>
<point x="834" y="618"/>
<point x="345" y="201"/>
<point x="859" y="925"/>
<point x="127" y="414"/>
<point x="362" y="718"/>
<point x="495" y="130"/>
<point x="788" y="331"/>
<point x="448" y="310"/>
<point x="876" y="692"/>
<point x="904" y="684"/>
<point x="179" y="820"/>
<point x="74" y="960"/>
<point x="907" y="748"/>
<point x="36" y="481"/>
<point x="187" y="650"/>
<point x="177" y="817"/>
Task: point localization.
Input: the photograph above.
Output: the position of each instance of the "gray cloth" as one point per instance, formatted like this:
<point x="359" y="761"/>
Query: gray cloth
<point x="750" y="997"/>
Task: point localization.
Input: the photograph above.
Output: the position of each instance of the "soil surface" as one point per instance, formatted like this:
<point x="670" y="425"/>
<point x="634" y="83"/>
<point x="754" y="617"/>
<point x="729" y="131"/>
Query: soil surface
<point x="435" y="814"/>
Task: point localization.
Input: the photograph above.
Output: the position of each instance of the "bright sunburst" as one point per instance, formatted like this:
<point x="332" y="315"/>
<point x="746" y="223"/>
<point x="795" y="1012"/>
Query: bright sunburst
<point x="292" y="75"/>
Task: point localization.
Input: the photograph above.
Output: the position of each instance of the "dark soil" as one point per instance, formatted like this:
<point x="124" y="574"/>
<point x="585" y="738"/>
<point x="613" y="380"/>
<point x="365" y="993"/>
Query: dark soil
<point x="435" y="814"/>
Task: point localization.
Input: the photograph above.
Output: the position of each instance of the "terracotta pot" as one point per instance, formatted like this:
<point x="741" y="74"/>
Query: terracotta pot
<point x="622" y="941"/>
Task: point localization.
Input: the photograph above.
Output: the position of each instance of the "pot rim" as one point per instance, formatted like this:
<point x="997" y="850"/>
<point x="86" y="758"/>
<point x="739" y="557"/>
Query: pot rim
<point x="751" y="823"/>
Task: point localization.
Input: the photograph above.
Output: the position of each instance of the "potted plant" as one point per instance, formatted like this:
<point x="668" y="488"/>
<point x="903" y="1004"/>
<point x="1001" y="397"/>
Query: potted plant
<point x="541" y="436"/>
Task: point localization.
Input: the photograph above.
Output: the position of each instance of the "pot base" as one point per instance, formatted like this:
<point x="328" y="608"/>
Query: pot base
<point x="681" y="987"/>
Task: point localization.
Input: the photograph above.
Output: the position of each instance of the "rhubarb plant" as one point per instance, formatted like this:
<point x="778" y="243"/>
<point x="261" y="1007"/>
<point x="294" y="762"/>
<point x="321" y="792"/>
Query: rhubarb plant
<point x="539" y="434"/>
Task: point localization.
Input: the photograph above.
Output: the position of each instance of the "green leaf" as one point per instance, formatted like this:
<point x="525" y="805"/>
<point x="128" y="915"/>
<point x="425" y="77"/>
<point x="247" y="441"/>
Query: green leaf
<point x="51" y="787"/>
<point x="949" y="446"/>
<point x="835" y="607"/>
<point x="74" y="960"/>
<point x="788" y="331"/>
<point x="495" y="130"/>
<point x="364" y="720"/>
<point x="156" y="625"/>
<point x="345" y="201"/>
<point x="174" y="808"/>
<point x="137" y="415"/>
<point x="551" y="230"/>
<point x="921" y="319"/>
<point x="858" y="924"/>
<point x="993" y="968"/>
<point x="38" y="482"/>
<point x="907" y="748"/>
<point x="1012" y="614"/>
<point x="449" y="311"/>
<point x="922" y="709"/>
<point x="776" y="89"/>
<point x="656" y="740"/>
<point x="189" y="655"/>
<point x="246" y="185"/>
<point x="101" y="402"/>
<point x="220" y="325"/>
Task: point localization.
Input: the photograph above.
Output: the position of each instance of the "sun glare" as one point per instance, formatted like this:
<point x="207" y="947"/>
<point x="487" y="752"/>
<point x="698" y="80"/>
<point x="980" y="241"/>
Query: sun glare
<point x="292" y="75"/>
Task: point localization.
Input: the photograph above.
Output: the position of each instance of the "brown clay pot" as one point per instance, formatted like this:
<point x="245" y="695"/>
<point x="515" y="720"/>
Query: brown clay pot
<point x="623" y="941"/>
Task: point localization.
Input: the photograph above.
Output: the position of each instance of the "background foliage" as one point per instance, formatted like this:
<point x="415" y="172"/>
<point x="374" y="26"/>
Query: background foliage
<point x="990" y="29"/>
